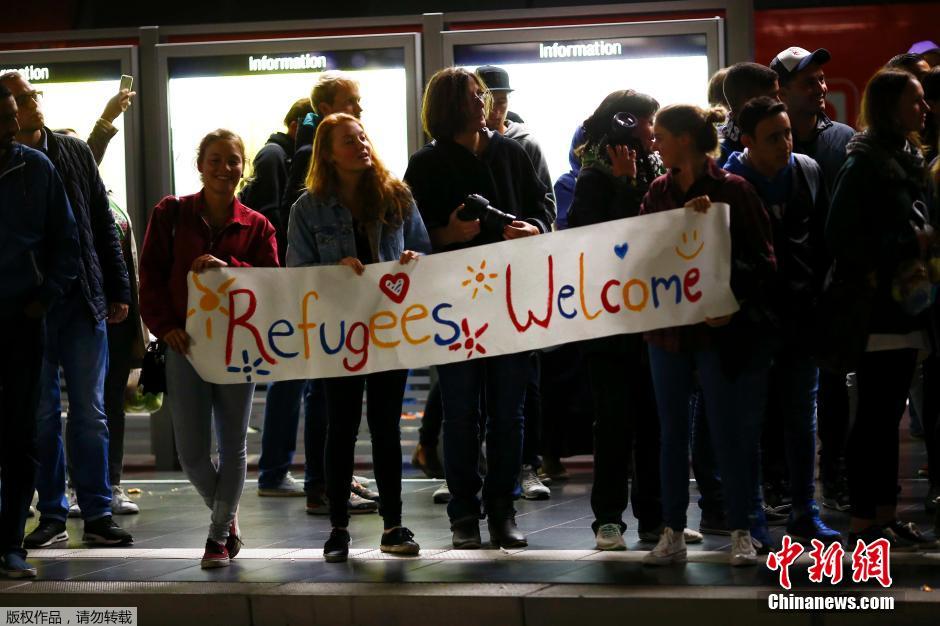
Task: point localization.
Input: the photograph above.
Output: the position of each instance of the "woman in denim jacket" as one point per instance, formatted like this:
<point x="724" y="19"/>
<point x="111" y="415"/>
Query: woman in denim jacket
<point x="354" y="213"/>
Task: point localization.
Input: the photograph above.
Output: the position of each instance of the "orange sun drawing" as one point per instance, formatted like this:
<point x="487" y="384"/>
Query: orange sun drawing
<point x="210" y="301"/>
<point x="478" y="278"/>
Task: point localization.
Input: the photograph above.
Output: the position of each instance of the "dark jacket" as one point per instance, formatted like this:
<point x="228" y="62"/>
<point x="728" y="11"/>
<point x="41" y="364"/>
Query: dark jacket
<point x="38" y="238"/>
<point x="270" y="168"/>
<point x="102" y="275"/>
<point x="521" y="133"/>
<point x="599" y="196"/>
<point x="827" y="147"/>
<point x="753" y="265"/>
<point x="564" y="186"/>
<point x="296" y="183"/>
<point x="869" y="231"/>
<point x="797" y="203"/>
<point x="265" y="190"/>
<point x="443" y="173"/>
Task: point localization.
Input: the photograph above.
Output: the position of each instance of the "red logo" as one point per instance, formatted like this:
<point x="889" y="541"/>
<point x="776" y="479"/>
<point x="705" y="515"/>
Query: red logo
<point x="872" y="561"/>
<point x="395" y="286"/>
<point x="869" y="561"/>
<point x="784" y="559"/>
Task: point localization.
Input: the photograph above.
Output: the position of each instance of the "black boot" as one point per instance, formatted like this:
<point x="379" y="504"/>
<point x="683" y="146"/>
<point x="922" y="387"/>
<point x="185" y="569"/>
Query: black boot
<point x="336" y="549"/>
<point x="503" y="531"/>
<point x="467" y="534"/>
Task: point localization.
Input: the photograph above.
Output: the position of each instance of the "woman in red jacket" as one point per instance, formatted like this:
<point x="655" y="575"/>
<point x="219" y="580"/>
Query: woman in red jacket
<point x="206" y="230"/>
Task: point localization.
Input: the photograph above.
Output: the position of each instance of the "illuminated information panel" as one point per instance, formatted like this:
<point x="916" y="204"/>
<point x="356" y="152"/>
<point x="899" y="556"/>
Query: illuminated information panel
<point x="74" y="95"/>
<point x="250" y="93"/>
<point x="558" y="84"/>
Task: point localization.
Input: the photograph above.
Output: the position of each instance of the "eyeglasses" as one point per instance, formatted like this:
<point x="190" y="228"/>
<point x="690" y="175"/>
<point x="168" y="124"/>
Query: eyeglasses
<point x="32" y="94"/>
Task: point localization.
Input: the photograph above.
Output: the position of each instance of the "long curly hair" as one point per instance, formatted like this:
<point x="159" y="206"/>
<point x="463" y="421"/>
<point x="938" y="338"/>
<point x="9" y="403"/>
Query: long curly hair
<point x="385" y="198"/>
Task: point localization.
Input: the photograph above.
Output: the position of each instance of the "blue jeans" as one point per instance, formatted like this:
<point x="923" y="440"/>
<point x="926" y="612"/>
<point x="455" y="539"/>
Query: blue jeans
<point x="735" y="410"/>
<point x="793" y="381"/>
<point x="80" y="345"/>
<point x="504" y="378"/>
<point x="704" y="466"/>
<point x="279" y="434"/>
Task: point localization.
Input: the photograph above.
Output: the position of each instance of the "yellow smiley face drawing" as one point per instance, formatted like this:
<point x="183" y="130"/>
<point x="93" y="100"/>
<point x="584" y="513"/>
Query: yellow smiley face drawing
<point x="686" y="244"/>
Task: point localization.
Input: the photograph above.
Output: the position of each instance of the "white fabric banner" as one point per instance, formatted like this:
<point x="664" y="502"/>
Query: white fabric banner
<point x="630" y="275"/>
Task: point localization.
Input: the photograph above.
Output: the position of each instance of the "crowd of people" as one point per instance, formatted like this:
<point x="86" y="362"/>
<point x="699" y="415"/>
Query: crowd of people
<point x="834" y="258"/>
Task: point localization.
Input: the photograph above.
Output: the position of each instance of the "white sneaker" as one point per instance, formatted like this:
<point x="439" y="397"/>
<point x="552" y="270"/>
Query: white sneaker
<point x="74" y="511"/>
<point x="742" y="549"/>
<point x="121" y="504"/>
<point x="441" y="494"/>
<point x="670" y="549"/>
<point x="358" y="504"/>
<point x="289" y="487"/>
<point x="652" y="536"/>
<point x="609" y="537"/>
<point x="532" y="487"/>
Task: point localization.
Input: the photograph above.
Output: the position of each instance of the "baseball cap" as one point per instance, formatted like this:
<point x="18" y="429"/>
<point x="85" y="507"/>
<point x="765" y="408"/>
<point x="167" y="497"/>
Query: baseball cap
<point x="922" y="47"/>
<point x="495" y="78"/>
<point x="793" y="59"/>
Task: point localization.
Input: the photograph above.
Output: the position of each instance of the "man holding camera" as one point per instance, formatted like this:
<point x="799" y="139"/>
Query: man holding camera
<point x="464" y="159"/>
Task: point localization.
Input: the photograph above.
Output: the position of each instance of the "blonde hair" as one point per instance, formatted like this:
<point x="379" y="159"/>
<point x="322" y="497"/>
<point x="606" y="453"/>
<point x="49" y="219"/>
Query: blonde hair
<point x="680" y="119"/>
<point x="385" y="198"/>
<point x="329" y="84"/>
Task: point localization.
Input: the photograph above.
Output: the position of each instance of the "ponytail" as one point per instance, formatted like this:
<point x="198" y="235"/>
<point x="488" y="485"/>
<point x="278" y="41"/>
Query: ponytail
<point x="680" y="119"/>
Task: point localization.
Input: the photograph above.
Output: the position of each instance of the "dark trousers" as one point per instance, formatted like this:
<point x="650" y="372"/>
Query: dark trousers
<point x="832" y="415"/>
<point x="626" y="438"/>
<point x="21" y="343"/>
<point x="931" y="417"/>
<point x="279" y="434"/>
<point x="704" y="465"/>
<point x="120" y="359"/>
<point x="884" y="379"/>
<point x="532" y="414"/>
<point x="384" y="394"/>
<point x="462" y="384"/>
<point x="429" y="434"/>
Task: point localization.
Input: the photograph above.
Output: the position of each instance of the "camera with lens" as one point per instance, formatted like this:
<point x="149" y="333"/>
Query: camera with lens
<point x="624" y="131"/>
<point x="476" y="207"/>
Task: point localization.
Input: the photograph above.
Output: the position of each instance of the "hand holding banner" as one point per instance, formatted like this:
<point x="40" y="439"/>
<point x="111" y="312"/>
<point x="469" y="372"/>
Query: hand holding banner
<point x="627" y="276"/>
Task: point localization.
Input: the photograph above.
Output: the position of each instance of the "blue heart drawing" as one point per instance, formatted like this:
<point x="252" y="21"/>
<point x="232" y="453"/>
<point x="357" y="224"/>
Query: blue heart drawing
<point x="621" y="250"/>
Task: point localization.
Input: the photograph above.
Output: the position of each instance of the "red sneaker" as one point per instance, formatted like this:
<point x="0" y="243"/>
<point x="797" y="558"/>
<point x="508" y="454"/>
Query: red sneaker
<point x="215" y="555"/>
<point x="234" y="542"/>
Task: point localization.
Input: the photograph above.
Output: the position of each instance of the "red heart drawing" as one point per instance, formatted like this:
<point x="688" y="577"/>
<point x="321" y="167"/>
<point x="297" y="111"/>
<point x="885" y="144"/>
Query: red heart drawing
<point x="395" y="286"/>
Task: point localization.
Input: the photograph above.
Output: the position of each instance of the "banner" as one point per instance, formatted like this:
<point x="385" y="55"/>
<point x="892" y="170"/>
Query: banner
<point x="627" y="276"/>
